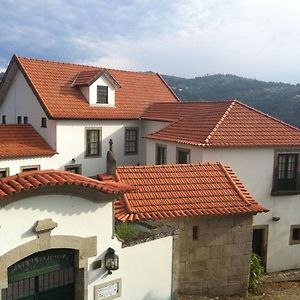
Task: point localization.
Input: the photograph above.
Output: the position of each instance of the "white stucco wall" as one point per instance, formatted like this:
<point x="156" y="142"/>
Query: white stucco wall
<point x="71" y="144"/>
<point x="14" y="165"/>
<point x="196" y="152"/>
<point x="21" y="101"/>
<point x="148" y="127"/>
<point x="140" y="279"/>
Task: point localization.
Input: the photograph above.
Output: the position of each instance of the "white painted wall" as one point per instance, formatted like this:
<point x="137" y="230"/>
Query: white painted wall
<point x="196" y="152"/>
<point x="71" y="144"/>
<point x="148" y="127"/>
<point x="21" y="101"/>
<point x="14" y="165"/>
<point x="151" y="270"/>
<point x="140" y="278"/>
<point x="90" y="93"/>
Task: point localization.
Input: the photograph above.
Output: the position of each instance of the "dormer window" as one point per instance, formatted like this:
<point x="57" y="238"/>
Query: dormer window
<point x="102" y="94"/>
<point x="98" y="86"/>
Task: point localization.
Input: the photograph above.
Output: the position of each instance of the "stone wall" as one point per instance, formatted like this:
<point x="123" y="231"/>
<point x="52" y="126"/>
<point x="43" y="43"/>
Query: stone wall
<point x="218" y="262"/>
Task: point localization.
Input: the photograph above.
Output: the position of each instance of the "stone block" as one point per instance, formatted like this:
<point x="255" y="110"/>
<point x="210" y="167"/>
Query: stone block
<point x="216" y="252"/>
<point x="202" y="254"/>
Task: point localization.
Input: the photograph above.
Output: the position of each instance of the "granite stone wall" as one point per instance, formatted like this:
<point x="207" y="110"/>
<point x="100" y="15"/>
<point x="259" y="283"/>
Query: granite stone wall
<point x="218" y="261"/>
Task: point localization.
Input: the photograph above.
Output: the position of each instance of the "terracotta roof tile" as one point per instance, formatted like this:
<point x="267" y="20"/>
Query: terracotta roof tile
<point x="22" y="141"/>
<point x="85" y="77"/>
<point x="88" y="77"/>
<point x="220" y="124"/>
<point x="34" y="179"/>
<point x="52" y="84"/>
<point x="169" y="191"/>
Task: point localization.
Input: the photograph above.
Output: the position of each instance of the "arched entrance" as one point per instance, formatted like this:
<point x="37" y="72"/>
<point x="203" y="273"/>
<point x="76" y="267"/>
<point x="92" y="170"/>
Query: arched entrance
<point x="44" y="275"/>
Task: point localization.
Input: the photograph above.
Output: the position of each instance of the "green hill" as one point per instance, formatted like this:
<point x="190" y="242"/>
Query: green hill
<point x="277" y="99"/>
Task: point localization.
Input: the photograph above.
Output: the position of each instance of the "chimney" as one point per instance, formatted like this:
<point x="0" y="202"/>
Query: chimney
<point x="111" y="163"/>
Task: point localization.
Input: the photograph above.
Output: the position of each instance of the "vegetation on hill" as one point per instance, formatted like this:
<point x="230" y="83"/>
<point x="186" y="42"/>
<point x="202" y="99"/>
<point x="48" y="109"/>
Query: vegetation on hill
<point x="280" y="100"/>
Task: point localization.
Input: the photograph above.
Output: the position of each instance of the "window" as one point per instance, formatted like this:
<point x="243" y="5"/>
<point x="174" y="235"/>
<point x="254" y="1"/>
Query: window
<point x="131" y="140"/>
<point x="30" y="168"/>
<point x="3" y="119"/>
<point x="19" y="120"/>
<point x="102" y="94"/>
<point x="74" y="169"/>
<point x="183" y="156"/>
<point x="286" y="179"/>
<point x="25" y="120"/>
<point x="195" y="233"/>
<point x="44" y="122"/>
<point x="295" y="235"/>
<point x="161" y="155"/>
<point x="4" y="172"/>
<point x="93" y="142"/>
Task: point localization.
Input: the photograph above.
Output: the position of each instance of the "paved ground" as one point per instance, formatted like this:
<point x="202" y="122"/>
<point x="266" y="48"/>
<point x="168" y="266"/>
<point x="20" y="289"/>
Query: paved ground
<point x="287" y="290"/>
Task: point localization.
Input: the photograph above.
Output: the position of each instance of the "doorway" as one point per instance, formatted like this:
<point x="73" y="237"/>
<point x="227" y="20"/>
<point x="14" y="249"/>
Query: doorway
<point x="42" y="276"/>
<point x="260" y="243"/>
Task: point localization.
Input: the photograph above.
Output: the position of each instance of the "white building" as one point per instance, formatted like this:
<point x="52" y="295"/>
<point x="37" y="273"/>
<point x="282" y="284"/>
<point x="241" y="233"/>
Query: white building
<point x="57" y="229"/>
<point x="76" y="109"/>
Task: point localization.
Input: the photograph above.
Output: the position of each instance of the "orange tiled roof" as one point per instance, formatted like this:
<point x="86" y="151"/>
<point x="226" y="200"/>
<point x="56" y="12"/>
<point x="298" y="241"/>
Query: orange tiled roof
<point x="35" y="179"/>
<point x="220" y="124"/>
<point x="88" y="77"/>
<point x="170" y="191"/>
<point x="52" y="84"/>
<point x="22" y="141"/>
<point x="85" y="77"/>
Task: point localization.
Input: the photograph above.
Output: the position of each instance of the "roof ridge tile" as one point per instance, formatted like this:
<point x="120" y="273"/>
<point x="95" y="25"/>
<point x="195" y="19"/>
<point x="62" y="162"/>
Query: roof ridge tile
<point x="219" y="123"/>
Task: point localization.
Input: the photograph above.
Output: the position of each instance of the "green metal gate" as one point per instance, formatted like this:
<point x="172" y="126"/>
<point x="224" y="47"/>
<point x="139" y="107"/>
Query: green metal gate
<point x="42" y="276"/>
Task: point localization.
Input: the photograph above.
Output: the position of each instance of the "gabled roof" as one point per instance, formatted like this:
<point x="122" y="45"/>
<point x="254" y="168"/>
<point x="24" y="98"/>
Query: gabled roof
<point x="52" y="84"/>
<point x="170" y="191"/>
<point x="22" y="141"/>
<point x="220" y="124"/>
<point x="36" y="179"/>
<point x="89" y="77"/>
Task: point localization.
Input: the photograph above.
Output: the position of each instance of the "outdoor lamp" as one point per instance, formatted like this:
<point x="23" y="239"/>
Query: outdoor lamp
<point x="111" y="260"/>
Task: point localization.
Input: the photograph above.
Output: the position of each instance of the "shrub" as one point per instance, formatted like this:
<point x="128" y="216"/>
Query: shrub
<point x="126" y="230"/>
<point x="256" y="272"/>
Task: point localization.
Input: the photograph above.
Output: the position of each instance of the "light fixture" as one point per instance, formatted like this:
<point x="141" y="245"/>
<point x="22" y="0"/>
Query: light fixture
<point x="111" y="260"/>
<point x="73" y="160"/>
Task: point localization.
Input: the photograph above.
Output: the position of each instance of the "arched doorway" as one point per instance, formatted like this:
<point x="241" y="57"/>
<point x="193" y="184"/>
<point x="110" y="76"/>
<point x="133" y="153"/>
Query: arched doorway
<point x="42" y="276"/>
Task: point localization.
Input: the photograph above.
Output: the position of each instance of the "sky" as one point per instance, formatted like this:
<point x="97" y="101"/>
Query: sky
<point x="187" y="38"/>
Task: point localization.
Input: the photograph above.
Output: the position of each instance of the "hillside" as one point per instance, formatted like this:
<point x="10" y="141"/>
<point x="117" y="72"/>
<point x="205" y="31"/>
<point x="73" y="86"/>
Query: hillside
<point x="277" y="99"/>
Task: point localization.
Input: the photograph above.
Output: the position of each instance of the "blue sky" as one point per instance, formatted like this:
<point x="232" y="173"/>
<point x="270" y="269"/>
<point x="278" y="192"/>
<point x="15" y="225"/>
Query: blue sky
<point x="253" y="38"/>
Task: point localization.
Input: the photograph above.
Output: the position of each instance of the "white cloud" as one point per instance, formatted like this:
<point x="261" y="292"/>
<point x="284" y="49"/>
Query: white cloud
<point x="113" y="61"/>
<point x="257" y="38"/>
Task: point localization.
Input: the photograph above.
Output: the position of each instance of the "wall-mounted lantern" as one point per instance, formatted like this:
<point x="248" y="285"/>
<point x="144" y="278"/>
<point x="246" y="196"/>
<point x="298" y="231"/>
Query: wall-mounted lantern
<point x="111" y="260"/>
